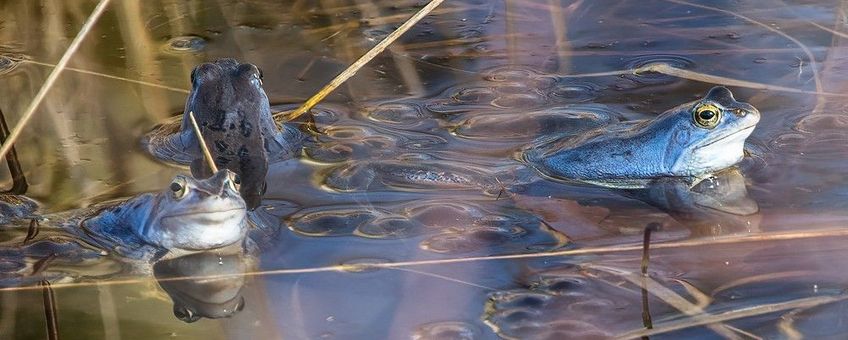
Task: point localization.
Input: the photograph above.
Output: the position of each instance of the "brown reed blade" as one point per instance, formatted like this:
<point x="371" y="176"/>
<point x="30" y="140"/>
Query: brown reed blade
<point x="359" y="63"/>
<point x="206" y="153"/>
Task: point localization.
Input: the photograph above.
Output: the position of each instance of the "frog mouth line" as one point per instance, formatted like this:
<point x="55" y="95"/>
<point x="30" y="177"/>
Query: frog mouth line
<point x="728" y="136"/>
<point x="204" y="212"/>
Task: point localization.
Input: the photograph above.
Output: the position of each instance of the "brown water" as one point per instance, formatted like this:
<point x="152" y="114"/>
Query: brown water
<point x="414" y="162"/>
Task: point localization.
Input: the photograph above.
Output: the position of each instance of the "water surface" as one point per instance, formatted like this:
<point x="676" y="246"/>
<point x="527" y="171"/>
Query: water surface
<point x="415" y="161"/>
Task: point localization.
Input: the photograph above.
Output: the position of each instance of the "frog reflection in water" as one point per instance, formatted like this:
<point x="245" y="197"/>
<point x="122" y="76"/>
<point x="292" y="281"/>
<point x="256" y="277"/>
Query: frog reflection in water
<point x="190" y="214"/>
<point x="691" y="140"/>
<point x="205" y="284"/>
<point x="192" y="228"/>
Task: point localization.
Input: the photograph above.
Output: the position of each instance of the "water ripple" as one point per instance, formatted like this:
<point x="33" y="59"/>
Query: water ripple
<point x="652" y="78"/>
<point x="185" y="44"/>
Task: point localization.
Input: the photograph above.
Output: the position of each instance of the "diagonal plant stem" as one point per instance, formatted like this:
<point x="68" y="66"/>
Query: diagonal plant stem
<point x="202" y="142"/>
<point x="668" y="296"/>
<point x="802" y="303"/>
<point x="48" y="84"/>
<point x="359" y="63"/>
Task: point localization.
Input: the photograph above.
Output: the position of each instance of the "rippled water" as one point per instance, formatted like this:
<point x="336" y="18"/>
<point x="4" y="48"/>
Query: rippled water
<point x="409" y="182"/>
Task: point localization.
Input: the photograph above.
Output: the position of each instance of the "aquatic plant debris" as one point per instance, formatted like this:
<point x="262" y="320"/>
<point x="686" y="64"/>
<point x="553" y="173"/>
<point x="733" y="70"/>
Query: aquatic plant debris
<point x="718" y="240"/>
<point x="48" y="84"/>
<point x="359" y="63"/>
<point x="202" y="142"/>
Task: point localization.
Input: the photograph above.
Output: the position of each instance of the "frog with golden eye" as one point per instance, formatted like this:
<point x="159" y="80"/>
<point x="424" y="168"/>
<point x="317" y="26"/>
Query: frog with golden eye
<point x="691" y="140"/>
<point x="191" y="214"/>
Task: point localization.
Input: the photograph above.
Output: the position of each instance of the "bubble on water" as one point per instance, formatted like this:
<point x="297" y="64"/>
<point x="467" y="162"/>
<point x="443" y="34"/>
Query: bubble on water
<point x="185" y="44"/>
<point x="446" y="330"/>
<point x="654" y="78"/>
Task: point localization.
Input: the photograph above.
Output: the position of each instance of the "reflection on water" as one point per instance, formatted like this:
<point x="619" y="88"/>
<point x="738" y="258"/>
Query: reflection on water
<point x="414" y="160"/>
<point x="207" y="284"/>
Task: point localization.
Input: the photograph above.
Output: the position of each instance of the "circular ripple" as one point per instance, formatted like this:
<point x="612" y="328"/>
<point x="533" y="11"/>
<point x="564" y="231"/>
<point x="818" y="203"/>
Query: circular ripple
<point x="575" y="92"/>
<point x="185" y="44"/>
<point x="653" y="78"/>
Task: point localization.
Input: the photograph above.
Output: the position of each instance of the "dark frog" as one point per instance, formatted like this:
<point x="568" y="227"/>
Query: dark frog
<point x="691" y="140"/>
<point x="235" y="119"/>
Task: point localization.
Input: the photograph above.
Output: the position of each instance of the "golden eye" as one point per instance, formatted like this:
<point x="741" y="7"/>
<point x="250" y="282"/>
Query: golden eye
<point x="234" y="181"/>
<point x="179" y="187"/>
<point x="706" y="115"/>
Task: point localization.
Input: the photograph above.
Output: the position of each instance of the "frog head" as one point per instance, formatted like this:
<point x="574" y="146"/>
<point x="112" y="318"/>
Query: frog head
<point x="198" y="214"/>
<point x="707" y="135"/>
<point x="232" y="110"/>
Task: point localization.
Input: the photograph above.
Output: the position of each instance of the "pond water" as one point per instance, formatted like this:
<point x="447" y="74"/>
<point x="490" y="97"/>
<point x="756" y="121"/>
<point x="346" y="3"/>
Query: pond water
<point x="411" y="165"/>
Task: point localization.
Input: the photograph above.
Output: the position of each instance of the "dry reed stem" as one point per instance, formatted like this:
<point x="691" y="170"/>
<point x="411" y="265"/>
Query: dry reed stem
<point x="202" y="142"/>
<point x="669" y="297"/>
<point x="359" y="63"/>
<point x="720" y="240"/>
<point x="667" y="327"/>
<point x="48" y="84"/>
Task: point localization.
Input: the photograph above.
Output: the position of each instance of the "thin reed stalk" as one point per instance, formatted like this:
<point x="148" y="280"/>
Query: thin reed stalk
<point x="48" y="84"/>
<point x="359" y="63"/>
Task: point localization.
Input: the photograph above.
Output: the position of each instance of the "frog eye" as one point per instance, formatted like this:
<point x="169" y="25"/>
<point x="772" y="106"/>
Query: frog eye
<point x="258" y="77"/>
<point x="179" y="187"/>
<point x="234" y="181"/>
<point x="706" y="115"/>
